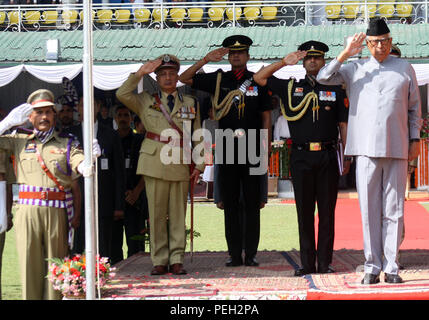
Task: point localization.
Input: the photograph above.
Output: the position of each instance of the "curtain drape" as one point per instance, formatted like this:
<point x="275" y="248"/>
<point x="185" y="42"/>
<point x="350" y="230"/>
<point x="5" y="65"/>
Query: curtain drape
<point x="110" y="77"/>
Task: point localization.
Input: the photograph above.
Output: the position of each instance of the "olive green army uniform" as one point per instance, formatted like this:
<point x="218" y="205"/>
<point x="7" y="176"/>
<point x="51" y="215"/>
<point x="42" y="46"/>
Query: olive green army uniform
<point x="166" y="184"/>
<point x="40" y="225"/>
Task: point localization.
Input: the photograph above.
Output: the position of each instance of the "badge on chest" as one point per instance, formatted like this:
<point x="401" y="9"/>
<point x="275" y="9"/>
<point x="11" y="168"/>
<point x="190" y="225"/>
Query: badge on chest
<point x="327" y="96"/>
<point x="186" y="112"/>
<point x="252" y="91"/>
<point x="30" y="147"/>
<point x="299" y="92"/>
<point x="155" y="106"/>
<point x="58" y="151"/>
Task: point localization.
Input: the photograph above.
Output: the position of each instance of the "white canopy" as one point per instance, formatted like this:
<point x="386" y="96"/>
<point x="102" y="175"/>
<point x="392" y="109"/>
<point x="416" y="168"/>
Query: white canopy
<point x="110" y="77"/>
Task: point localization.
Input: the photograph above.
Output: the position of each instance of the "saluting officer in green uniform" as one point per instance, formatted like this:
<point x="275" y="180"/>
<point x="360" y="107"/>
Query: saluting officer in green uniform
<point x="316" y="114"/>
<point x="166" y="183"/>
<point x="45" y="163"/>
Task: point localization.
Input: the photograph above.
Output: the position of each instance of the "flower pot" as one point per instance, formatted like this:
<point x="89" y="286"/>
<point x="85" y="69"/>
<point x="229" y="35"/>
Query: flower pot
<point x="285" y="189"/>
<point x="81" y="296"/>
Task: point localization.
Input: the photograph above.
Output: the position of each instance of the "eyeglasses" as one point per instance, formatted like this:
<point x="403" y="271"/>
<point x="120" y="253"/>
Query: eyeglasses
<point x="375" y="42"/>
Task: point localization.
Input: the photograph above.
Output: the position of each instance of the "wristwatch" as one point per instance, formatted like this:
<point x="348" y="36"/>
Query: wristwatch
<point x="348" y="158"/>
<point x="414" y="140"/>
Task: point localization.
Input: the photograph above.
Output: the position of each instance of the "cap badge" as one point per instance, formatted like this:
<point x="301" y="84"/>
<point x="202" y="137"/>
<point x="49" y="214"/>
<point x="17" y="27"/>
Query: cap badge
<point x="166" y="58"/>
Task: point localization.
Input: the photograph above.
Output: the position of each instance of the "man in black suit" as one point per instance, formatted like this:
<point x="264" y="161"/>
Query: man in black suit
<point x="136" y="211"/>
<point x="111" y="183"/>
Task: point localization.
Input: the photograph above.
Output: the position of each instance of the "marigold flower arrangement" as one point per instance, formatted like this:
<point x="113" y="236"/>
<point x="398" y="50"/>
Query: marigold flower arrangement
<point x="68" y="275"/>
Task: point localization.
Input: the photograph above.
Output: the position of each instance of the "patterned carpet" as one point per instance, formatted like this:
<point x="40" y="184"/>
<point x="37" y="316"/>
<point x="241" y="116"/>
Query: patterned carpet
<point x="208" y="278"/>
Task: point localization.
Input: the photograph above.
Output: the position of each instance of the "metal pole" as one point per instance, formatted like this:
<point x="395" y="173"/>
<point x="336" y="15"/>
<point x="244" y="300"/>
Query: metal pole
<point x="426" y="11"/>
<point x="19" y="18"/>
<point x="234" y="18"/>
<point x="162" y="15"/>
<point x="366" y="12"/>
<point x="88" y="132"/>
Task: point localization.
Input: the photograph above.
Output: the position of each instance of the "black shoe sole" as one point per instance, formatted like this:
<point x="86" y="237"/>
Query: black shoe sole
<point x="374" y="281"/>
<point x="393" y="281"/>
<point x="251" y="264"/>
<point x="234" y="264"/>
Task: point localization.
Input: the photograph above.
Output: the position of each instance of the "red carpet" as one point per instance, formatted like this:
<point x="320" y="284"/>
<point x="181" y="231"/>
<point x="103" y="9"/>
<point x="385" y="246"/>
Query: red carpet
<point x="348" y="225"/>
<point x="317" y="295"/>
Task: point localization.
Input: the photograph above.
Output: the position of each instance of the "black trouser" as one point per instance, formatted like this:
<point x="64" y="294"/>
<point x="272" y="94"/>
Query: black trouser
<point x="233" y="179"/>
<point x="105" y="225"/>
<point x="132" y="223"/>
<point x="315" y="179"/>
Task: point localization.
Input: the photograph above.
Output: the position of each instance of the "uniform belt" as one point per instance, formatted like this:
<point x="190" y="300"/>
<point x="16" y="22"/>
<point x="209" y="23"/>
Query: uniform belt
<point x="43" y="195"/>
<point x="315" y="146"/>
<point x="157" y="137"/>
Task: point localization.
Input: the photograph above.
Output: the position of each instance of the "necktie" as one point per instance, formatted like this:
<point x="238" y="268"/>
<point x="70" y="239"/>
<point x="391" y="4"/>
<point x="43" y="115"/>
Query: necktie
<point x="238" y="74"/>
<point x="170" y="102"/>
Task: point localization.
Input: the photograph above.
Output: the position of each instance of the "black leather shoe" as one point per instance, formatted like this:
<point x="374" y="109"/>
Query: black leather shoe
<point x="370" y="278"/>
<point x="251" y="262"/>
<point x="234" y="262"/>
<point x="392" y="278"/>
<point x="301" y="272"/>
<point x="327" y="269"/>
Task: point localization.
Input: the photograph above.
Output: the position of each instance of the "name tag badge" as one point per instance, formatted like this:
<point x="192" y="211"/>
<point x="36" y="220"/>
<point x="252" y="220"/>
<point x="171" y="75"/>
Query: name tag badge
<point x="30" y="148"/>
<point x="299" y="92"/>
<point x="104" y="163"/>
<point x="127" y="163"/>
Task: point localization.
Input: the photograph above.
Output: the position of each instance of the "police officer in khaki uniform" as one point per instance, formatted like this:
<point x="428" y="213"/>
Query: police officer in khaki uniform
<point x="166" y="183"/>
<point x="45" y="161"/>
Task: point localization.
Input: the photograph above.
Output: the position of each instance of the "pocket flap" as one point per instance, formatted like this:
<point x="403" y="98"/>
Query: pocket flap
<point x="148" y="148"/>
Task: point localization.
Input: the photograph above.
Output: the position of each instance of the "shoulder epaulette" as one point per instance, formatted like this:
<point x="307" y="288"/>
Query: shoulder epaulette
<point x="23" y="130"/>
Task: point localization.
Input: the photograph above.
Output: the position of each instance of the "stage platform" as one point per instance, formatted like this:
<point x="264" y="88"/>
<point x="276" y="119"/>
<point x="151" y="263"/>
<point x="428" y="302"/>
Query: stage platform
<point x="209" y="279"/>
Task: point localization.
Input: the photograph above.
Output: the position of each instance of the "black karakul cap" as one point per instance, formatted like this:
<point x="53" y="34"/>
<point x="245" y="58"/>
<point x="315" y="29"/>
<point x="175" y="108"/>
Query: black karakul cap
<point x="237" y="42"/>
<point x="314" y="48"/>
<point x="377" y="27"/>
